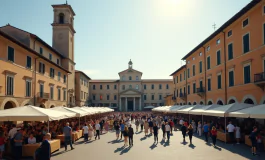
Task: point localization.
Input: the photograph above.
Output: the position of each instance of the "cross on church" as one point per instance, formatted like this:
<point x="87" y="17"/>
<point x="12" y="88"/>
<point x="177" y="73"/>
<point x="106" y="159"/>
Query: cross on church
<point x="214" y="26"/>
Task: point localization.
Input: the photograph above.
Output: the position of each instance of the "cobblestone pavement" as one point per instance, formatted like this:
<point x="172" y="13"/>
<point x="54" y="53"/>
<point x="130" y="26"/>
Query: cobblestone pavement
<point x="144" y="148"/>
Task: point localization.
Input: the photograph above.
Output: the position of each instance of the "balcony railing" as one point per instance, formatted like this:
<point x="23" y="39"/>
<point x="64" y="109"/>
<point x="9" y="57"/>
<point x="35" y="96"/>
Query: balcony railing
<point x="182" y="95"/>
<point x="43" y="95"/>
<point x="259" y="77"/>
<point x="200" y="90"/>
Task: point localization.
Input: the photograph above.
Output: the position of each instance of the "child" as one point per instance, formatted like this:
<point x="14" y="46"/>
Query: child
<point x="259" y="143"/>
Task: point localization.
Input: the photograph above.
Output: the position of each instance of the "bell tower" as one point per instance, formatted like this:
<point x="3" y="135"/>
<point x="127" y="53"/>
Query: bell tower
<point x="130" y="64"/>
<point x="63" y="42"/>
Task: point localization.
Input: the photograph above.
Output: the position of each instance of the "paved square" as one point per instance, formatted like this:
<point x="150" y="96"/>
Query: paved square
<point x="108" y="148"/>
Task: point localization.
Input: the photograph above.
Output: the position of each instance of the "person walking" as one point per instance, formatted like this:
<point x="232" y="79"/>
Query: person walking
<point x="167" y="128"/>
<point x="253" y="138"/>
<point x="151" y="124"/>
<point x="131" y="133"/>
<point x="214" y="135"/>
<point x="155" y="129"/>
<point x="171" y="124"/>
<point x="18" y="140"/>
<point x="85" y="131"/>
<point x="193" y="126"/>
<point x="67" y="131"/>
<point x="190" y="132"/>
<point x="183" y="131"/>
<point x="90" y="132"/>
<point x="163" y="127"/>
<point x="97" y="128"/>
<point x="206" y="131"/>
<point x="199" y="129"/>
<point x="137" y="123"/>
<point x="126" y="134"/>
<point x="146" y="127"/>
<point x="117" y="129"/>
<point x="231" y="128"/>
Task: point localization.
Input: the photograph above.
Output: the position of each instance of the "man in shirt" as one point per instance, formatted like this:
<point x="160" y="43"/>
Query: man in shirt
<point x="45" y="149"/>
<point x="130" y="134"/>
<point x="122" y="128"/>
<point x="167" y="128"/>
<point x="85" y="129"/>
<point x="97" y="127"/>
<point x="206" y="131"/>
<point x="12" y="132"/>
<point x="67" y="131"/>
<point x="231" y="128"/>
<point x="18" y="139"/>
<point x="253" y="138"/>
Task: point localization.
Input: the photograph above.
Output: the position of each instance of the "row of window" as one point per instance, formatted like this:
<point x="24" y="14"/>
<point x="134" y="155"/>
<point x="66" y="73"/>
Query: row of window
<point x="231" y="81"/>
<point x="28" y="86"/>
<point x="160" y="97"/>
<point x="130" y="86"/>
<point x="50" y="56"/>
<point x="130" y="78"/>
<point x="218" y="58"/>
<point x="11" y="57"/>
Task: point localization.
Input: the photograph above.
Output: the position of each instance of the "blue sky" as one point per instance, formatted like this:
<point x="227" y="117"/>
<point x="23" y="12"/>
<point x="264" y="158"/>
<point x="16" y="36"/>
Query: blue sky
<point x="155" y="34"/>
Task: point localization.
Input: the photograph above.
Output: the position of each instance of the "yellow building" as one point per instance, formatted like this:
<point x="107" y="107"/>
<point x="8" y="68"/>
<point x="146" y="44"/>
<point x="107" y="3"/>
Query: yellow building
<point x="81" y="88"/>
<point x="33" y="72"/>
<point x="130" y="92"/>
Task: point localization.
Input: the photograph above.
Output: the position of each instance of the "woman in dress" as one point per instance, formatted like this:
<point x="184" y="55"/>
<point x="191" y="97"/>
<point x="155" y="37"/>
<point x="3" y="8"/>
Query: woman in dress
<point x="238" y="135"/>
<point x="190" y="132"/>
<point x="146" y="127"/>
<point x="90" y="132"/>
<point x="193" y="126"/>
<point x="214" y="135"/>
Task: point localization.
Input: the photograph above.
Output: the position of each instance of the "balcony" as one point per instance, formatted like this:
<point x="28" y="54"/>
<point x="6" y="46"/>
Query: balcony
<point x="200" y="91"/>
<point x="43" y="97"/>
<point x="183" y="96"/>
<point x="259" y="80"/>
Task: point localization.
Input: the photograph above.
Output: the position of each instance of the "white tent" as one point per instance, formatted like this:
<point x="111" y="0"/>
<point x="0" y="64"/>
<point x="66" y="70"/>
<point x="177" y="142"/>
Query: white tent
<point x="186" y="110"/>
<point x="223" y="111"/>
<point x="199" y="111"/>
<point x="32" y="113"/>
<point x="78" y="110"/>
<point x="149" y="107"/>
<point x="90" y="110"/>
<point x="174" y="109"/>
<point x="251" y="112"/>
<point x="63" y="109"/>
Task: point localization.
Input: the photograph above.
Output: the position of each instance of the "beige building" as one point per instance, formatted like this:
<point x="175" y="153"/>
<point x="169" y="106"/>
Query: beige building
<point x="130" y="92"/>
<point x="33" y="72"/>
<point x="81" y="88"/>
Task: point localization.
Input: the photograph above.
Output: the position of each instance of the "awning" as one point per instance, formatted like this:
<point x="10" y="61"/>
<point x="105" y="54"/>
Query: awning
<point x="251" y="112"/>
<point x="223" y="111"/>
<point x="32" y="113"/>
<point x="149" y="107"/>
<point x="186" y="110"/>
<point x="199" y="111"/>
<point x="66" y="111"/>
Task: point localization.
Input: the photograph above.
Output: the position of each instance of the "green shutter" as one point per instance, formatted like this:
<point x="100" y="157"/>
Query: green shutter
<point x="11" y="54"/>
<point x="246" y="43"/>
<point x="264" y="33"/>
<point x="231" y="78"/>
<point x="219" y="82"/>
<point x="200" y="67"/>
<point x="247" y="74"/>
<point x="209" y="84"/>
<point x="218" y="57"/>
<point x="230" y="51"/>
<point x="208" y="62"/>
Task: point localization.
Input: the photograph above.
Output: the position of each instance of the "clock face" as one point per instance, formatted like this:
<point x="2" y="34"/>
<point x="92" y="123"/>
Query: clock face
<point x="60" y="36"/>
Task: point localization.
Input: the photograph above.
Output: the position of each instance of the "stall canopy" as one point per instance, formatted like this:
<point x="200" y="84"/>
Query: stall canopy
<point x="186" y="110"/>
<point x="90" y="110"/>
<point x="32" y="113"/>
<point x="174" y="109"/>
<point x="199" y="111"/>
<point x="62" y="109"/>
<point x="251" y="112"/>
<point x="78" y="111"/>
<point x="149" y="107"/>
<point x="223" y="111"/>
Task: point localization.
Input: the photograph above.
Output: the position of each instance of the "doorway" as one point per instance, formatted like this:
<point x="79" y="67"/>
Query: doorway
<point x="130" y="106"/>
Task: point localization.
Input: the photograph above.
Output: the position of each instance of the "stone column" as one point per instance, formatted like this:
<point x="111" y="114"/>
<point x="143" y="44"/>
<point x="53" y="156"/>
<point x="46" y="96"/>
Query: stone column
<point x="126" y="104"/>
<point x="120" y="104"/>
<point x="133" y="103"/>
<point x="140" y="104"/>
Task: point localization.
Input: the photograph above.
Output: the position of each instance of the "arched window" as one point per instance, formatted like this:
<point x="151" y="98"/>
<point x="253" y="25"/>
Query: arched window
<point x="181" y="104"/>
<point x="61" y="18"/>
<point x="123" y="78"/>
<point x="130" y="78"/>
<point x="130" y="86"/>
<point x="137" y="87"/>
<point x="201" y="103"/>
<point x="167" y="86"/>
<point x="210" y="103"/>
<point x="231" y="101"/>
<point x="249" y="101"/>
<point x="189" y="103"/>
<point x="194" y="103"/>
<point x="137" y="78"/>
<point x="220" y="103"/>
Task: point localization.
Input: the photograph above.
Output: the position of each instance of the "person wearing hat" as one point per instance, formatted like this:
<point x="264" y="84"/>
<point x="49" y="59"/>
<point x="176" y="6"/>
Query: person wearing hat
<point x="18" y="139"/>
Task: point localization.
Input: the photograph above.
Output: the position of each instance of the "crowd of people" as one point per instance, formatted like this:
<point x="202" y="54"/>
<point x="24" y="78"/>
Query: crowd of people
<point x="123" y="125"/>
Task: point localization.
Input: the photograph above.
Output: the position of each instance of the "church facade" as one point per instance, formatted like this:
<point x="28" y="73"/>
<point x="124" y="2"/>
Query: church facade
<point x="130" y="92"/>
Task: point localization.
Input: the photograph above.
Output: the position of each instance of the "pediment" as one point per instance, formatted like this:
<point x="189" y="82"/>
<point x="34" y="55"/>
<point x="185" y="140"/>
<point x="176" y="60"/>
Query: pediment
<point x="130" y="71"/>
<point x="130" y="92"/>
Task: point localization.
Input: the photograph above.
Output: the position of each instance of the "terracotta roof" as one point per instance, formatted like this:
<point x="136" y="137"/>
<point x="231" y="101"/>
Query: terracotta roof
<point x="77" y="71"/>
<point x="30" y="50"/>
<point x="184" y="66"/>
<point x="248" y="7"/>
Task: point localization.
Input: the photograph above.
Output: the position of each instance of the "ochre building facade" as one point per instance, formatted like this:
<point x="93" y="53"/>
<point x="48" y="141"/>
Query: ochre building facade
<point x="229" y="65"/>
<point x="130" y="92"/>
